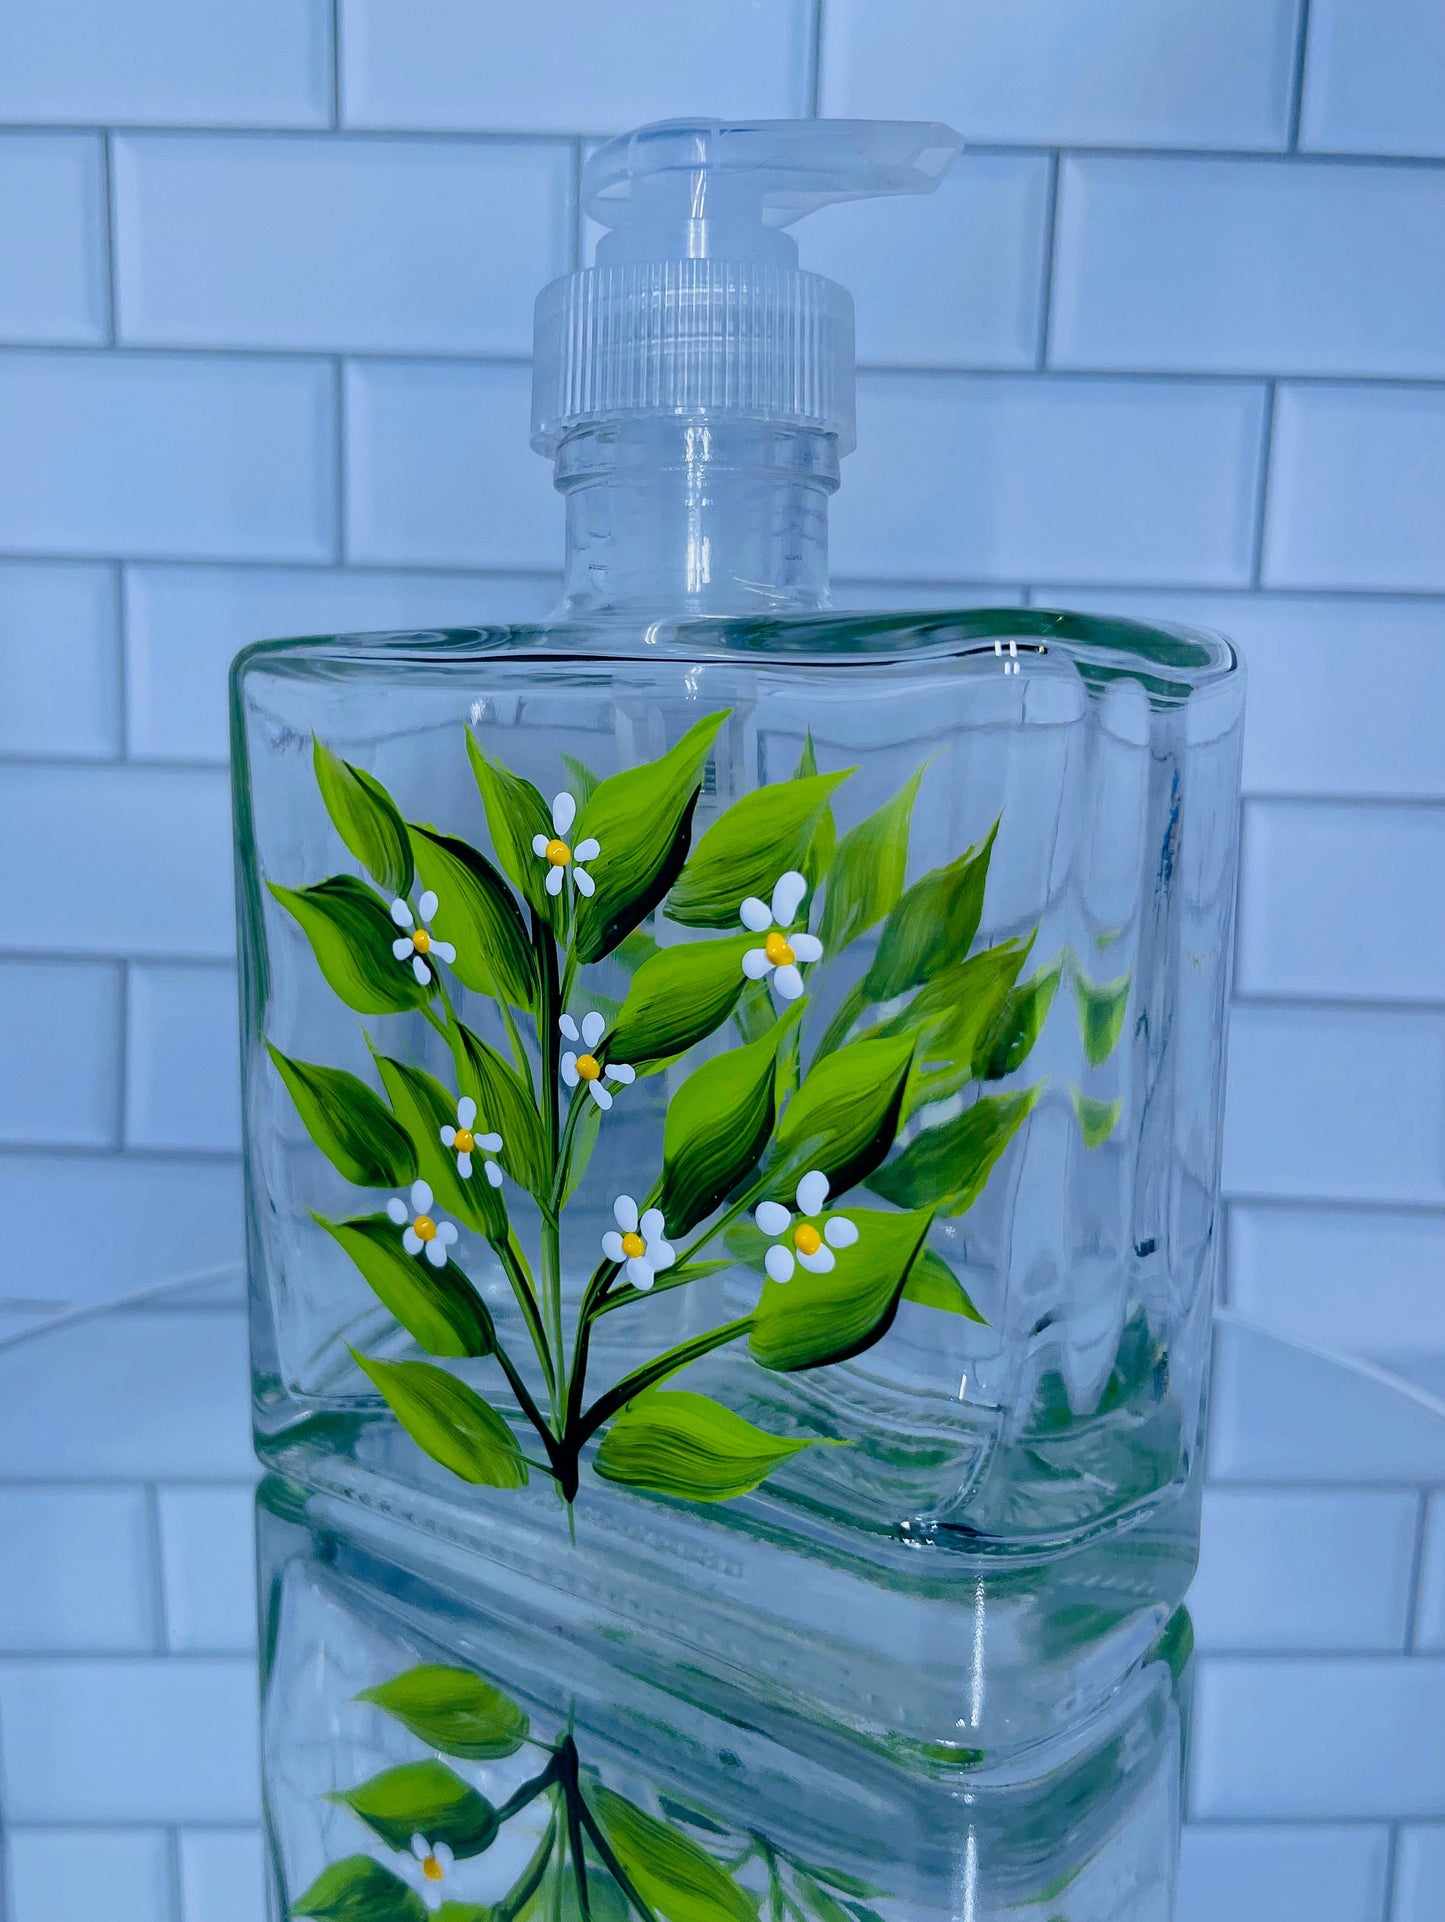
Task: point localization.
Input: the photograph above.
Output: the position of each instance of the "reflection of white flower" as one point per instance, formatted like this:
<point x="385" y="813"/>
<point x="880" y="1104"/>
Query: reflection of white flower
<point x="585" y="1066"/>
<point x="419" y="1230"/>
<point x="641" y="1243"/>
<point x="560" y="858"/>
<point x="418" y="941"/>
<point x="463" y="1140"/>
<point x="803" y="1245"/>
<point x="434" y="1862"/>
<point x="781" y="952"/>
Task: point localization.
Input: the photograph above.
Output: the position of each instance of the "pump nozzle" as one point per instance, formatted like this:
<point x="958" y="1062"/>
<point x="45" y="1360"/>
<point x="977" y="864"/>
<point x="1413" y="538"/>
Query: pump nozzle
<point x="697" y="308"/>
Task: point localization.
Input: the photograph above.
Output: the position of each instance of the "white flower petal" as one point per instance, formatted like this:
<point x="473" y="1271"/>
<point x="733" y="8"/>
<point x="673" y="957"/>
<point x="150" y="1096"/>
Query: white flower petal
<point x="464" y="1167"/>
<point x="661" y="1254"/>
<point x="401" y="913"/>
<point x="807" y="947"/>
<point x="444" y="951"/>
<point x="421" y="1197"/>
<point x="756" y="914"/>
<point x="594" y="1026"/>
<point x="569" y="1070"/>
<point x="444" y="1855"/>
<point x="819" y="1262"/>
<point x="639" y="1272"/>
<point x="448" y="1135"/>
<point x="840" y="1232"/>
<point x="420" y="969"/>
<point x="466" y="1111"/>
<point x="397" y="1210"/>
<point x="436" y="1252"/>
<point x="587" y="850"/>
<point x="788" y="897"/>
<point x="554" y="880"/>
<point x="651" y="1224"/>
<point x="412" y="1242"/>
<point x="612" y="1246"/>
<point x="419" y="1847"/>
<point x="402" y="948"/>
<point x="756" y="964"/>
<point x="446" y="1233"/>
<point x="772" y="1217"/>
<point x="564" y="812"/>
<point x="492" y="1143"/>
<point x="619" y="1071"/>
<point x="600" y="1095"/>
<point x="583" y="881"/>
<point x="779" y="1262"/>
<point x="813" y="1192"/>
<point x="427" y="904"/>
<point x="624" y="1213"/>
<point x="569" y="1027"/>
<point x="494" y="1173"/>
<point x="788" y="982"/>
<point x="540" y="844"/>
<point x="432" y="1895"/>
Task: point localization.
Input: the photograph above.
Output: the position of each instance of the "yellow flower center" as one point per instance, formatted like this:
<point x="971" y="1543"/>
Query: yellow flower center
<point x="465" y="1141"/>
<point x="424" y="1228"/>
<point x="589" y="1067"/>
<point x="633" y="1245"/>
<point x="777" y="950"/>
<point x="806" y="1239"/>
<point x="432" y="1869"/>
<point x="558" y="853"/>
<point x="421" y="941"/>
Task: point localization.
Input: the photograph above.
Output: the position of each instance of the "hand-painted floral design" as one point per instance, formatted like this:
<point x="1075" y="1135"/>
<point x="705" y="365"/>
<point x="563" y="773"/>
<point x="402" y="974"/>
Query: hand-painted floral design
<point x="563" y="859"/>
<point x="805" y="1245"/>
<point x="781" y="952"/>
<point x="585" y="1067"/>
<point x="434" y="1863"/>
<point x="639" y="1243"/>
<point x="418" y="941"/>
<point x="421" y="1231"/>
<point x="463" y="1140"/>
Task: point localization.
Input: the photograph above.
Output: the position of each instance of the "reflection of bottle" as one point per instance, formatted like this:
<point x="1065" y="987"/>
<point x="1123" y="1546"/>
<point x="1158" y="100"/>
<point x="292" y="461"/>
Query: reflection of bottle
<point x="742" y="1081"/>
<point x="427" y="1745"/>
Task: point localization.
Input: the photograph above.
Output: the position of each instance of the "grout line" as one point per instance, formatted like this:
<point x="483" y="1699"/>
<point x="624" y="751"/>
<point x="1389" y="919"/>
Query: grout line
<point x="1049" y="263"/>
<point x="338" y="453"/>
<point x="1297" y="75"/>
<point x="579" y="212"/>
<point x="160" y="1626"/>
<point x="173" y="1873"/>
<point x="814" y="74"/>
<point x="1392" y="1872"/>
<point x="121" y="662"/>
<point x="1417" y="1578"/>
<point x="336" y="102"/>
<point x="108" y="236"/>
<point x="1334" y="1003"/>
<point x="1261" y="484"/>
<point x="122" y="1057"/>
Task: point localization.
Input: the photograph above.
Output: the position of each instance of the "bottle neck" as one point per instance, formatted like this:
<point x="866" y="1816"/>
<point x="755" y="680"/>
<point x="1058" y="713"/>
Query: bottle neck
<point x="670" y="518"/>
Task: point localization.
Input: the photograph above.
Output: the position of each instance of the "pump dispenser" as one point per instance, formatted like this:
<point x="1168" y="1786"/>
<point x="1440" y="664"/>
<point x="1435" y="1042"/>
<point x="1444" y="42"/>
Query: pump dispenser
<point x="733" y="1089"/>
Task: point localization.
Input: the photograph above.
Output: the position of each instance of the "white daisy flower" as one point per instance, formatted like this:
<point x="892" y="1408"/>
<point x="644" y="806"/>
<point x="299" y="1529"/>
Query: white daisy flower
<point x="463" y="1139"/>
<point x="561" y="858"/>
<point x="781" y="952"/>
<point x="417" y="941"/>
<point x="585" y="1066"/>
<point x="640" y="1244"/>
<point x="419" y="1230"/>
<point x="803" y="1246"/>
<point x="434" y="1862"/>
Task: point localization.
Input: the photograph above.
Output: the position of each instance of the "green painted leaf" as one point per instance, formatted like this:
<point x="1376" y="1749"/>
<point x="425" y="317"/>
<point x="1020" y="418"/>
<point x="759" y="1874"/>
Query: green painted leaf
<point x="718" y="1124"/>
<point x="865" y="880"/>
<point x="813" y="1320"/>
<point x="476" y="913"/>
<point x="366" y="818"/>
<point x="824" y="843"/>
<point x="1020" y="1023"/>
<point x="424" y="1107"/>
<point x="845" y="1116"/>
<point x="950" y="1015"/>
<point x="748" y="848"/>
<point x="438" y="1307"/>
<point x="667" y="1868"/>
<point x="679" y="996"/>
<point x="1097" y="1119"/>
<point x="453" y="1710"/>
<point x="582" y="782"/>
<point x="1101" y="1015"/>
<point x="643" y="820"/>
<point x="360" y="1889"/>
<point x="946" y="1167"/>
<point x="351" y="931"/>
<point x="933" y="925"/>
<point x="463" y="1912"/>
<point x="505" y="1106"/>
<point x="350" y="1124"/>
<point x="450" y="1422"/>
<point x="515" y="813"/>
<point x="679" y="1443"/>
<point x="933" y="1284"/>
<point x="423" y="1798"/>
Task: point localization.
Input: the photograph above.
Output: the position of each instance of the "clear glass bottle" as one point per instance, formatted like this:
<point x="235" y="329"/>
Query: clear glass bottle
<point x="733" y="1089"/>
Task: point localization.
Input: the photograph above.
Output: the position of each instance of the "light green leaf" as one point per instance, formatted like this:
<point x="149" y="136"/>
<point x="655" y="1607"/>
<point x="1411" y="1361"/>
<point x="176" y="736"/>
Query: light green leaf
<point x="951" y="1014"/>
<point x="1010" y="1041"/>
<point x="350" y="1124"/>
<point x="813" y="1320"/>
<point x="643" y="821"/>
<point x="424" y="1107"/>
<point x="748" y="848"/>
<point x="718" y="1124"/>
<point x="449" y="1421"/>
<point x="1101" y="1015"/>
<point x="476" y="913"/>
<point x="821" y="848"/>
<point x="678" y="1443"/>
<point x="516" y="813"/>
<point x="933" y="925"/>
<point x="360" y="1889"/>
<point x="453" y="1710"/>
<point x="505" y="1106"/>
<point x="946" y="1167"/>
<point x="933" y="1284"/>
<point x="438" y="1307"/>
<point x="682" y="994"/>
<point x="582" y="783"/>
<point x="667" y="1868"/>
<point x="423" y="1798"/>
<point x="366" y="818"/>
<point x="351" y="931"/>
<point x="865" y="881"/>
<point x="1097" y="1119"/>
<point x="844" y="1117"/>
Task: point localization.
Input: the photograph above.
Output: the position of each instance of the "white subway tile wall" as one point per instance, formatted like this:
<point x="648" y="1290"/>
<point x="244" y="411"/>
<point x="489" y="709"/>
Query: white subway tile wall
<point x="1171" y="341"/>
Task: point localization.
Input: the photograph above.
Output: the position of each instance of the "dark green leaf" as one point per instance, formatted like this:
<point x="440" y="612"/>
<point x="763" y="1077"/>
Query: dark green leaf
<point x="449" y="1421"/>
<point x="813" y="1320"/>
<point x="667" y="1868"/>
<point x="682" y="994"/>
<point x="350" y="1124"/>
<point x="1097" y="1119"/>
<point x="476" y="913"/>
<point x="933" y="925"/>
<point x="946" y="1167"/>
<point x="453" y="1710"/>
<point x="351" y="931"/>
<point x="366" y="818"/>
<point x="643" y="820"/>
<point x="678" y="1443"/>
<point x="359" y="1889"/>
<point x="1101" y="1016"/>
<point x="423" y="1798"/>
<point x="505" y="1106"/>
<point x="424" y="1107"/>
<point x="718" y="1124"/>
<point x="845" y="1116"/>
<point x="933" y="1284"/>
<point x="865" y="880"/>
<point x="1020" y="1023"/>
<point x="438" y="1307"/>
<point x="747" y="849"/>
<point x="516" y="813"/>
